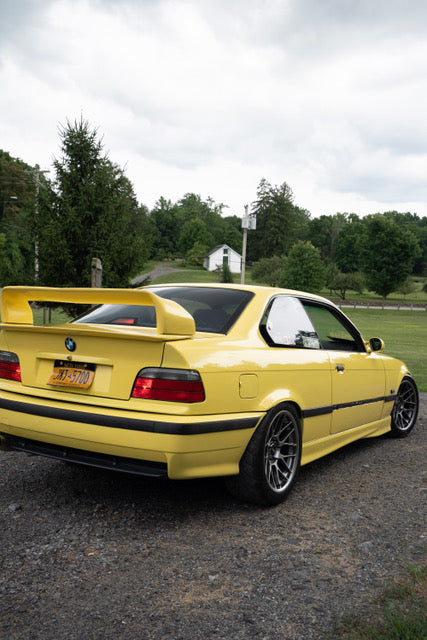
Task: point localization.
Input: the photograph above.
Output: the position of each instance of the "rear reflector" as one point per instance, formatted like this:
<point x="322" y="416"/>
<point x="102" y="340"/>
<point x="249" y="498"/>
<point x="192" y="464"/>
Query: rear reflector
<point x="9" y="366"/>
<point x="173" y="385"/>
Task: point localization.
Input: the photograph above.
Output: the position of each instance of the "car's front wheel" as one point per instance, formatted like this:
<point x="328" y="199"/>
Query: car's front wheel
<point x="405" y="410"/>
<point x="271" y="461"/>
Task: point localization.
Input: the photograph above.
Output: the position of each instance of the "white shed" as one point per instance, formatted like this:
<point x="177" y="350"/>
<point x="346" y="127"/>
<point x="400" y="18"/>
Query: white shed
<point x="223" y="254"/>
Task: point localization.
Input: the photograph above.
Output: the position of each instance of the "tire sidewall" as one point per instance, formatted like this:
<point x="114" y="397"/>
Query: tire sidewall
<point x="271" y="496"/>
<point x="395" y="430"/>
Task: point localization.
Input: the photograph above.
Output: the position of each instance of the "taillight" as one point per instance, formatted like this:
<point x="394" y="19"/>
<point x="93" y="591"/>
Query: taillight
<point x="174" y="385"/>
<point x="9" y="366"/>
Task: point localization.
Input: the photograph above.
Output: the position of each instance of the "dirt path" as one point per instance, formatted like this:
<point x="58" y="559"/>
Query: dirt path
<point x="159" y="270"/>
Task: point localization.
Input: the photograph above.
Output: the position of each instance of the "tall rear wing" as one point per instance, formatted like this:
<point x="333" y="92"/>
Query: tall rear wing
<point x="172" y="319"/>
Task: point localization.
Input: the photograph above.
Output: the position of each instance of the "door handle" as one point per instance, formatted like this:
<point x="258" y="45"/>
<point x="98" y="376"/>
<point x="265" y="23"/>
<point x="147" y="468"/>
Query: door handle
<point x="340" y="368"/>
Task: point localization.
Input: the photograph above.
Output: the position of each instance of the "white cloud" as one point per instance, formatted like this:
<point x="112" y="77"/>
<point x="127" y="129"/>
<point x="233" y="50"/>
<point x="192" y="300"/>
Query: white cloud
<point x="211" y="97"/>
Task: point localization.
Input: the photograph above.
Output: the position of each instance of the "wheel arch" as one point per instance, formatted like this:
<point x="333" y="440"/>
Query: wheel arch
<point x="270" y="463"/>
<point x="405" y="409"/>
<point x="273" y="401"/>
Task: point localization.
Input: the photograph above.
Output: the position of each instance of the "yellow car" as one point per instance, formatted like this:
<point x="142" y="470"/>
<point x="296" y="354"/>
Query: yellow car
<point x="189" y="381"/>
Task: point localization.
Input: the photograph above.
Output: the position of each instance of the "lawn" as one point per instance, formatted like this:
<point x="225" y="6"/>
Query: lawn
<point x="404" y="334"/>
<point x="187" y="275"/>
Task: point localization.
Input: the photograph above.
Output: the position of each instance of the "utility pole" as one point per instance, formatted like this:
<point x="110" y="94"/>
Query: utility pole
<point x="248" y="222"/>
<point x="245" y="239"/>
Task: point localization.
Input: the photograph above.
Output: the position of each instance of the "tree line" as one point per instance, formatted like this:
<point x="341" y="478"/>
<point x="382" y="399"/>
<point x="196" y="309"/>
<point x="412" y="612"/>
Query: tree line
<point x="52" y="227"/>
<point x="341" y="251"/>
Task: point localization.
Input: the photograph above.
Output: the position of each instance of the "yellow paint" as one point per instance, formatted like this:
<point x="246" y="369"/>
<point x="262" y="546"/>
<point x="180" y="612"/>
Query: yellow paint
<point x="242" y="377"/>
<point x="248" y="386"/>
<point x="171" y="317"/>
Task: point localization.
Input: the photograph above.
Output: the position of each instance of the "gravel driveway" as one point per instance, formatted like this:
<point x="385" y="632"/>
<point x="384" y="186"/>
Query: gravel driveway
<point x="88" y="554"/>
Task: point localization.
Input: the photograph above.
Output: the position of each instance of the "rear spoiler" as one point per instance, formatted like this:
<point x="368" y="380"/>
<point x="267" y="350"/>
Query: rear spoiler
<point x="172" y="319"/>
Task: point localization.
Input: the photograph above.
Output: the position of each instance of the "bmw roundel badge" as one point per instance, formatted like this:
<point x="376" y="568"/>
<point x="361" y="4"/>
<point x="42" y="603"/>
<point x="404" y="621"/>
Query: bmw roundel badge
<point x="70" y="344"/>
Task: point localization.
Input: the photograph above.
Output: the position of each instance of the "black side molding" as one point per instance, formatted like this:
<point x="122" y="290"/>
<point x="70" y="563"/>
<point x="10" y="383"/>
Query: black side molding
<point x="320" y="411"/>
<point x="134" y="424"/>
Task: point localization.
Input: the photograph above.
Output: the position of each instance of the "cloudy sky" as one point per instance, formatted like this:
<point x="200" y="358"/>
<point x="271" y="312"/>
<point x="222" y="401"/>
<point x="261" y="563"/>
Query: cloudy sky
<point x="210" y="96"/>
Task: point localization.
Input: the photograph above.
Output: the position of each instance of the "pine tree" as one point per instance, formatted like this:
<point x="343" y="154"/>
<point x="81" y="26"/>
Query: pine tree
<point x="279" y="224"/>
<point x="94" y="214"/>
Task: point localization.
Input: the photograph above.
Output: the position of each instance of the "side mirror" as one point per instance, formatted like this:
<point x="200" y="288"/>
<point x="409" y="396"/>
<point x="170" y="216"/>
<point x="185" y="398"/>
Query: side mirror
<point x="376" y="344"/>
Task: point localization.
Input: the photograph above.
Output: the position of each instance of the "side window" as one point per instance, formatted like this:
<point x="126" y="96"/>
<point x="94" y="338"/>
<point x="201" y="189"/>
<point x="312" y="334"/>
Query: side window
<point x="333" y="333"/>
<point x="286" y="324"/>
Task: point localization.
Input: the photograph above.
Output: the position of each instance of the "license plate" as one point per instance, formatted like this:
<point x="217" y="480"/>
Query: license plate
<point x="78" y="375"/>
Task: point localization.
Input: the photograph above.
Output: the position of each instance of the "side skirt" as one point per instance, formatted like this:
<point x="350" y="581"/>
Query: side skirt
<point x="318" y="448"/>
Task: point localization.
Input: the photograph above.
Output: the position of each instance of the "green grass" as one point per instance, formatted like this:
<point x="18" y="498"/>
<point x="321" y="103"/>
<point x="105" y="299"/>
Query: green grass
<point x="400" y="613"/>
<point x="56" y="316"/>
<point x="404" y="334"/>
<point x="192" y="275"/>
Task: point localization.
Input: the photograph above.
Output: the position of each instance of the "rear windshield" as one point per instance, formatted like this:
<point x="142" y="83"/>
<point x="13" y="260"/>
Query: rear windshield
<point x="214" y="310"/>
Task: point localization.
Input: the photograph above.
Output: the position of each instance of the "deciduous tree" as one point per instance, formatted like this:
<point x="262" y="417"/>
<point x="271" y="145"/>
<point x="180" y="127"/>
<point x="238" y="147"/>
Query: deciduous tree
<point x="165" y="223"/>
<point x="269" y="270"/>
<point x="324" y="231"/>
<point x="304" y="268"/>
<point x="17" y="220"/>
<point x="348" y="245"/>
<point x="339" y="282"/>
<point x="389" y="254"/>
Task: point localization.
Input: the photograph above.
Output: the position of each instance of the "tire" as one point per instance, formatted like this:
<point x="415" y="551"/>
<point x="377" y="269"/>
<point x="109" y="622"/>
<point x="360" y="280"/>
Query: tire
<point x="271" y="461"/>
<point x="405" y="410"/>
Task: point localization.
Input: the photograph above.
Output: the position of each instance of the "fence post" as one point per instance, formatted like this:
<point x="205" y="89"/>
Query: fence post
<point x="96" y="273"/>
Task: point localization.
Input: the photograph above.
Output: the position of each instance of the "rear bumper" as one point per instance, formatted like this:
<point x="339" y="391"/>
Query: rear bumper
<point x="88" y="458"/>
<point x="130" y="422"/>
<point x="184" y="446"/>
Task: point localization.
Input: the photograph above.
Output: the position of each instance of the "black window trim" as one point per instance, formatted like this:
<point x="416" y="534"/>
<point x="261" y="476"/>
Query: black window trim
<point x="337" y="313"/>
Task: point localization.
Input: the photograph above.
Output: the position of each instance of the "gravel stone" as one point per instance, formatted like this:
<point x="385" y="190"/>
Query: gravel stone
<point x="92" y="555"/>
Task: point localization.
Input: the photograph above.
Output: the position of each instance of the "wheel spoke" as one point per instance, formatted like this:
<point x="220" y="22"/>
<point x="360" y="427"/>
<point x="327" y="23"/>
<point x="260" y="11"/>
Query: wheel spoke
<point x="281" y="452"/>
<point x="284" y="437"/>
<point x="405" y="407"/>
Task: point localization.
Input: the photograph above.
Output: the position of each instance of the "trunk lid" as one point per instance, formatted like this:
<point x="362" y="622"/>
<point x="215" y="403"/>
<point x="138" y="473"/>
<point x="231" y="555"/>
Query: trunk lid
<point x="62" y="357"/>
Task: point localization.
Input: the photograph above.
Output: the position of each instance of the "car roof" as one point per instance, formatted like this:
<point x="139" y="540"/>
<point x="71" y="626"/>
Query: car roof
<point x="264" y="291"/>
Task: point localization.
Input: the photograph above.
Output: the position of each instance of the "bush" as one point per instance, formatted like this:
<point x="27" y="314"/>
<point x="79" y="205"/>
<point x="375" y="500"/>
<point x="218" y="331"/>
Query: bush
<point x="196" y="254"/>
<point x="268" y="270"/>
<point x="224" y="273"/>
<point x="339" y="282"/>
<point x="304" y="268"/>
